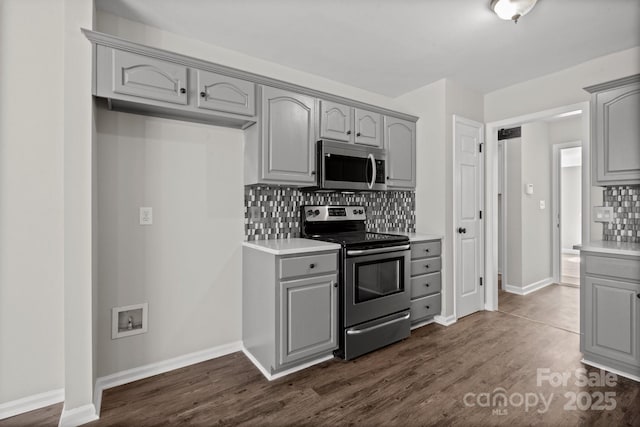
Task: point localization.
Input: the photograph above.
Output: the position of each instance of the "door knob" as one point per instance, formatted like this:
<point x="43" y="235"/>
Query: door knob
<point x="462" y="230"/>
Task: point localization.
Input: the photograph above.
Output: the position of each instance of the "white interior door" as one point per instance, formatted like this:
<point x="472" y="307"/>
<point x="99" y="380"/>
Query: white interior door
<point x="468" y="197"/>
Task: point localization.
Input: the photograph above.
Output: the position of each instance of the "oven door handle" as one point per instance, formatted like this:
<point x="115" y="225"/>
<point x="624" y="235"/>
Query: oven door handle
<point x="378" y="250"/>
<point x="375" y="172"/>
<point x="353" y="331"/>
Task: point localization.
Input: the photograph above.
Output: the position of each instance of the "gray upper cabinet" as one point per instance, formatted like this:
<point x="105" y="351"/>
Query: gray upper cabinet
<point x="368" y="128"/>
<point x="309" y="312"/>
<point x="222" y="93"/>
<point x="615" y="132"/>
<point x="610" y="311"/>
<point x="288" y="136"/>
<point x="400" y="142"/>
<point x="150" y="78"/>
<point x="336" y="121"/>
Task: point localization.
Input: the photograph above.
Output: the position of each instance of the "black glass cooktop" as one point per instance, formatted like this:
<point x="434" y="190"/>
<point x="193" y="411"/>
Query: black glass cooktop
<point x="362" y="239"/>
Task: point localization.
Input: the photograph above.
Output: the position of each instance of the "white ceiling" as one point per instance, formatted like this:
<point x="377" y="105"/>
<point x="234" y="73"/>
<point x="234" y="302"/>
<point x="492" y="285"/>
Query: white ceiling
<point x="392" y="47"/>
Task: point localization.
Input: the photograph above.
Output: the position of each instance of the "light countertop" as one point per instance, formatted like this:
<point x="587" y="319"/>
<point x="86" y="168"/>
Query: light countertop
<point x="415" y="237"/>
<point x="290" y="246"/>
<point x="610" y="247"/>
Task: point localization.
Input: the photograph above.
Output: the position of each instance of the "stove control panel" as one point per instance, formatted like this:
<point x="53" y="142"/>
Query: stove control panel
<point x="334" y="213"/>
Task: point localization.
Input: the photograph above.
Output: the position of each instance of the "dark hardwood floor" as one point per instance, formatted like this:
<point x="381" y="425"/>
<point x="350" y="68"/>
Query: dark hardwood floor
<point x="423" y="380"/>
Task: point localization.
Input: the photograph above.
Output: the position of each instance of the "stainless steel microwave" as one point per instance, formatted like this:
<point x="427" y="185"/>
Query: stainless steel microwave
<point x="342" y="166"/>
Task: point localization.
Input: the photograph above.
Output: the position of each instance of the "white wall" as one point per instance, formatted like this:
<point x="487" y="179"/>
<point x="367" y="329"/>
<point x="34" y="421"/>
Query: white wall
<point x="570" y="206"/>
<point x="561" y="88"/>
<point x="31" y="198"/>
<point x="536" y="222"/>
<point x="187" y="265"/>
<point x="514" y="188"/>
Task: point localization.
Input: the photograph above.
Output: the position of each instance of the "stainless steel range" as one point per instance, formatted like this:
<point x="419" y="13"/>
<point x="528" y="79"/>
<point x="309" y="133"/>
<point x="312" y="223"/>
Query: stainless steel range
<point x="374" y="278"/>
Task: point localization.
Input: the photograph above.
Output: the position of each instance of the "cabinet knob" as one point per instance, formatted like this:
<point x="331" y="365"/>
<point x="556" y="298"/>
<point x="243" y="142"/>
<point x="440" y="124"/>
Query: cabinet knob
<point x="313" y="172"/>
<point x="203" y="95"/>
<point x="335" y="284"/>
<point x="426" y="284"/>
<point x="426" y="266"/>
<point x="638" y="295"/>
<point x="312" y="266"/>
<point x="348" y="132"/>
<point x="358" y="134"/>
<point x="426" y="250"/>
<point x="428" y="307"/>
<point x="183" y="90"/>
<point x="388" y="178"/>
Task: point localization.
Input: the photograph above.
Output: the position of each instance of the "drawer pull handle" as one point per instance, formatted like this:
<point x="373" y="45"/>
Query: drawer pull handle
<point x="312" y="266"/>
<point x="428" y="307"/>
<point x="426" y="284"/>
<point x="426" y="250"/>
<point x="426" y="266"/>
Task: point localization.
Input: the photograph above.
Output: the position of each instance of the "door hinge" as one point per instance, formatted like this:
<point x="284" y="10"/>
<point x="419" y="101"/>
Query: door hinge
<point x="480" y="214"/>
<point x="481" y="281"/>
<point x="481" y="144"/>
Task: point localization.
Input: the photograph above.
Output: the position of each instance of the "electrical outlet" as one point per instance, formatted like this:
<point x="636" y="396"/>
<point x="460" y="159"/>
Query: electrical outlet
<point x="603" y="213"/>
<point x="542" y="204"/>
<point x="146" y="216"/>
<point x="254" y="213"/>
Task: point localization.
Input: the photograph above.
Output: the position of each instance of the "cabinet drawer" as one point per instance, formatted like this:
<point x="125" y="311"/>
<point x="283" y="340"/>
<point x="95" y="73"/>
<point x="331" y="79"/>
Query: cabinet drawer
<point x="424" y="266"/>
<point x="425" y="284"/>
<point x="425" y="307"/>
<point x="222" y="93"/>
<point x="427" y="249"/>
<point x="307" y="265"/>
<point x="614" y="267"/>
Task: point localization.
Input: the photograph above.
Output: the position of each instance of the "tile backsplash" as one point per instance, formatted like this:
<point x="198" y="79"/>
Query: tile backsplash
<point x="626" y="214"/>
<point x="278" y="210"/>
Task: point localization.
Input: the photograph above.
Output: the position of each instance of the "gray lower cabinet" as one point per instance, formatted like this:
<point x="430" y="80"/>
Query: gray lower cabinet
<point x="400" y="143"/>
<point x="610" y="311"/>
<point x="281" y="149"/>
<point x="615" y="132"/>
<point x="145" y="84"/>
<point x="426" y="280"/>
<point x="289" y="307"/>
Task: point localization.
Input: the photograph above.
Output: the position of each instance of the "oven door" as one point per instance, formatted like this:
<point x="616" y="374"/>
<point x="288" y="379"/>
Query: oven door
<point x="350" y="167"/>
<point x="376" y="283"/>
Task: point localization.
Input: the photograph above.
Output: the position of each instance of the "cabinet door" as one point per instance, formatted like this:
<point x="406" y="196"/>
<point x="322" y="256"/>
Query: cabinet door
<point x="617" y="136"/>
<point x="222" y="93"/>
<point x="288" y="136"/>
<point x="368" y="128"/>
<point x="400" y="142"/>
<point x="612" y="314"/>
<point x="336" y="121"/>
<point x="149" y="78"/>
<point x="308" y="317"/>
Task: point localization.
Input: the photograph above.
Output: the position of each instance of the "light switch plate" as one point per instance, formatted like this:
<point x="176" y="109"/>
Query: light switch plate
<point x="602" y="213"/>
<point x="542" y="204"/>
<point x="146" y="215"/>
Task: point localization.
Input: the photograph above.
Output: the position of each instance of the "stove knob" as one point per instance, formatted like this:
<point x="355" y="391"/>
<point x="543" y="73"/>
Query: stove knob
<point x="309" y="212"/>
<point x="360" y="211"/>
<point x="355" y="211"/>
<point x="316" y="212"/>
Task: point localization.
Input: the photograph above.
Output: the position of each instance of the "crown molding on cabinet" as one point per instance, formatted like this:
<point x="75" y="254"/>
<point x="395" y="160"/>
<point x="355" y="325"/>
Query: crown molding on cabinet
<point x="122" y="44"/>
<point x="613" y="84"/>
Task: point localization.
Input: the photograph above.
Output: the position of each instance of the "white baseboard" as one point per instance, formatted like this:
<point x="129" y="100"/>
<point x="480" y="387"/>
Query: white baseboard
<point x="526" y="290"/>
<point x="281" y="374"/>
<point x="31" y="403"/>
<point x="445" y="321"/>
<point x="78" y="416"/>
<point x="421" y="324"/>
<point x="613" y="371"/>
<point x="161" y="367"/>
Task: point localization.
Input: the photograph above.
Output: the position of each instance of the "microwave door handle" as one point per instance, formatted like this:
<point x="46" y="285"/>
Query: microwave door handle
<point x="373" y="175"/>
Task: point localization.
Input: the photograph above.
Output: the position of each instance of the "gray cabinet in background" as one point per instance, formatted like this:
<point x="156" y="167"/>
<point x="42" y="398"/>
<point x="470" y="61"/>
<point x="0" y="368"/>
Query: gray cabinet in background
<point x="615" y="132"/>
<point x="280" y="149"/>
<point x="336" y="121"/>
<point x="400" y="142"/>
<point x="221" y="93"/>
<point x="610" y="311"/>
<point x="426" y="280"/>
<point x="368" y="128"/>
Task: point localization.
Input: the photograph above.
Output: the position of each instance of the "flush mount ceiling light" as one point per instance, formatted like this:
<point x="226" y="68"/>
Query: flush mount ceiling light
<point x="512" y="9"/>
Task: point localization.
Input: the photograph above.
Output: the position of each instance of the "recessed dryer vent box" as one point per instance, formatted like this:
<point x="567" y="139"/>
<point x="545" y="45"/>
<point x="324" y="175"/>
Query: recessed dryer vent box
<point x="128" y="320"/>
